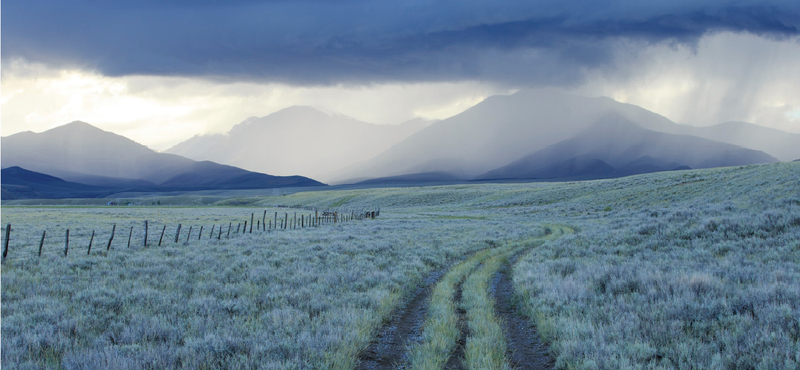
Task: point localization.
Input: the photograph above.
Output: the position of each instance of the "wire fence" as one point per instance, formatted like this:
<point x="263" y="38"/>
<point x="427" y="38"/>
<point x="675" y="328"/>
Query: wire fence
<point x="144" y="234"/>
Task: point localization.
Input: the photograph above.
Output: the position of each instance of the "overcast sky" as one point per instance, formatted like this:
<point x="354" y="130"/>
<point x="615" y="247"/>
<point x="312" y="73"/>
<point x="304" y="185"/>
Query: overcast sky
<point x="161" y="71"/>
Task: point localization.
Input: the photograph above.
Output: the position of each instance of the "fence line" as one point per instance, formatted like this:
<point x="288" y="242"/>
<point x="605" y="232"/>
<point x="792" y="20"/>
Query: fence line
<point x="318" y="219"/>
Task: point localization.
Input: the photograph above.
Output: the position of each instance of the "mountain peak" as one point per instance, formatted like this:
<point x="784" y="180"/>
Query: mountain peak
<point x="303" y="110"/>
<point x="77" y="125"/>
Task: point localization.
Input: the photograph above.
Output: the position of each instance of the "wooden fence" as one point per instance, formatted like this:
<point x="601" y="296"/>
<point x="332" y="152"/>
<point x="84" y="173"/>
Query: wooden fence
<point x="275" y="223"/>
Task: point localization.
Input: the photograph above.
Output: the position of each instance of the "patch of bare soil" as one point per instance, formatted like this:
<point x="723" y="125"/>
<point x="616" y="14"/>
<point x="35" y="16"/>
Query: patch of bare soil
<point x="525" y="348"/>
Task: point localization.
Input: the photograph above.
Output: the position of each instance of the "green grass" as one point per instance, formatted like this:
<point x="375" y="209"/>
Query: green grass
<point x="486" y="344"/>
<point x="441" y="330"/>
<point x="343" y="200"/>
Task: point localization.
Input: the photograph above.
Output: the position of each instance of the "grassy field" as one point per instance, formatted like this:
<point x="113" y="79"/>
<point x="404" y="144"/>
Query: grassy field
<point x="691" y="269"/>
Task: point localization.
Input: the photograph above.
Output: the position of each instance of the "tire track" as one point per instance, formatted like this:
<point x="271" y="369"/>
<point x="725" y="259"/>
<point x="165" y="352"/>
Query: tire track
<point x="389" y="350"/>
<point x="526" y="351"/>
<point x="456" y="360"/>
<point x="394" y="346"/>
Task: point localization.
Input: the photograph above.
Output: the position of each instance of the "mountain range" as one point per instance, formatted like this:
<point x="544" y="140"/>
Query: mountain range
<point x="535" y="135"/>
<point x="298" y="140"/>
<point x="503" y="129"/>
<point x="103" y="162"/>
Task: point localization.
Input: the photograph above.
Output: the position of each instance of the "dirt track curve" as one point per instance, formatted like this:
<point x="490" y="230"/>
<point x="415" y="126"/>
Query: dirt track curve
<point x="526" y="351"/>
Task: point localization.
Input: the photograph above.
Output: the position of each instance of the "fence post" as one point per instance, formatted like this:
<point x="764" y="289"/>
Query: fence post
<point x="251" y="222"/>
<point x="211" y="234"/>
<point x="219" y="236"/>
<point x="302" y="221"/>
<point x="276" y="220"/>
<point x="8" y="233"/>
<point x="189" y="235"/>
<point x="113" y="230"/>
<point x="178" y="234"/>
<point x="162" y="235"/>
<point x="200" y="234"/>
<point x="264" y="220"/>
<point x="129" y="237"/>
<point x="229" y="230"/>
<point x="244" y="229"/>
<point x="66" y="244"/>
<point x="285" y="220"/>
<point x="41" y="243"/>
<point x="145" y="234"/>
<point x="238" y="226"/>
<point x="88" y="252"/>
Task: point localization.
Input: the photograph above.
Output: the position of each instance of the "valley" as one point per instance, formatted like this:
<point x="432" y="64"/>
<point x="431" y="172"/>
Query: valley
<point x="375" y="185"/>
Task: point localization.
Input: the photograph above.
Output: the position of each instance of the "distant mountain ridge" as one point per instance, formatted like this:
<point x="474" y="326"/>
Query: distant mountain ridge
<point x="497" y="131"/>
<point x="297" y="140"/>
<point x="503" y="129"/>
<point x="780" y="144"/>
<point x="81" y="153"/>
<point x="531" y="134"/>
<point x="19" y="183"/>
<point x="614" y="146"/>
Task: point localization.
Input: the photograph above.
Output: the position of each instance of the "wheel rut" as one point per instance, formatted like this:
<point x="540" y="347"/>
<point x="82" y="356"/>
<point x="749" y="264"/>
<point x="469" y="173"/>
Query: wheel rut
<point x="389" y="350"/>
<point x="456" y="360"/>
<point x="526" y="351"/>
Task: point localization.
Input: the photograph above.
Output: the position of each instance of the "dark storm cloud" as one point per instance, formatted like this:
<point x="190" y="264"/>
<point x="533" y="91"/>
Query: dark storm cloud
<point x="320" y="42"/>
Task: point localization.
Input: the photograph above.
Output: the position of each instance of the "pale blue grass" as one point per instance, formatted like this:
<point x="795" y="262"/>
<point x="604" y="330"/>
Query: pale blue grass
<point x="690" y="269"/>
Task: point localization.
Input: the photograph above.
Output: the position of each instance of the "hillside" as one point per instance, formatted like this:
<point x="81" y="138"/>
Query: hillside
<point x="780" y="144"/>
<point x="80" y="152"/>
<point x="497" y="131"/>
<point x="297" y="140"/>
<point x="615" y="146"/>
<point x="19" y="183"/>
<point x="502" y="129"/>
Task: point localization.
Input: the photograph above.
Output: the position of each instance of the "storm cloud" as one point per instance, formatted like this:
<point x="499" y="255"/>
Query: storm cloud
<point x="343" y="41"/>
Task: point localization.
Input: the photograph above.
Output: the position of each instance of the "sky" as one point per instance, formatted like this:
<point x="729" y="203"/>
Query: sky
<point x="160" y="72"/>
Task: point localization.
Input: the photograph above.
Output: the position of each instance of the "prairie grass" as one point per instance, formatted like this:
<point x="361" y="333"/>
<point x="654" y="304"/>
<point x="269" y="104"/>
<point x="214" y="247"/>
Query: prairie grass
<point x="310" y="298"/>
<point x="687" y="269"/>
<point x="705" y="283"/>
